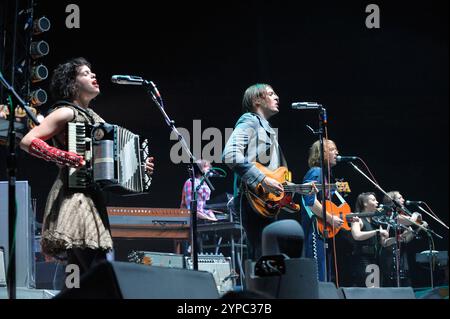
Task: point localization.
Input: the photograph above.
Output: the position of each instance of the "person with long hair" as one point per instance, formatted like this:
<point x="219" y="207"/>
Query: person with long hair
<point x="312" y="208"/>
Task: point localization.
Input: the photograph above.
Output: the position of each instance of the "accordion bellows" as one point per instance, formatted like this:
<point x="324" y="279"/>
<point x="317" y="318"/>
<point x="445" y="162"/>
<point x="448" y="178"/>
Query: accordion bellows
<point x="115" y="158"/>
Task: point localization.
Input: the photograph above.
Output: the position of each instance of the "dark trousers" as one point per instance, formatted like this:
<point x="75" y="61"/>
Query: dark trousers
<point x="253" y="224"/>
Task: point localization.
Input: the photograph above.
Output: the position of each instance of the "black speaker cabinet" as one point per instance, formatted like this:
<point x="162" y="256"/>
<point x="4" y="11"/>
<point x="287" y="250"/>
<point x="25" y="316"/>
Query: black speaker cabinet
<point x="298" y="282"/>
<point x="122" y="280"/>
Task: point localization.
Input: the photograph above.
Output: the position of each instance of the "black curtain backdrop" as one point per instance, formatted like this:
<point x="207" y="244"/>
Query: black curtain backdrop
<point x="386" y="90"/>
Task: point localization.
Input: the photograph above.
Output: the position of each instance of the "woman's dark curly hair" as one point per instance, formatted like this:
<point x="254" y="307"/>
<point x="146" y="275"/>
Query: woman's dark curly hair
<point x="63" y="85"/>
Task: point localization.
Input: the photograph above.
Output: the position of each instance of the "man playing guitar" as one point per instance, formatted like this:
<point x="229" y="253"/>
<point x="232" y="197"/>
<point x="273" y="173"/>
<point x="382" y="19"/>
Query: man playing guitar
<point x="312" y="207"/>
<point x="254" y="140"/>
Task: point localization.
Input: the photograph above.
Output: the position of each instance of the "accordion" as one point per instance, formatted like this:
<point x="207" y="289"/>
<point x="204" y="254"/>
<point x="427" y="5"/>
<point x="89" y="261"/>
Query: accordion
<point x="115" y="158"/>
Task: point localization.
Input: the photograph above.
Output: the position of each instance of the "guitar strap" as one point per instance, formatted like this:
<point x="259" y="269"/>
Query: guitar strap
<point x="308" y="210"/>
<point x="283" y="161"/>
<point x="339" y="196"/>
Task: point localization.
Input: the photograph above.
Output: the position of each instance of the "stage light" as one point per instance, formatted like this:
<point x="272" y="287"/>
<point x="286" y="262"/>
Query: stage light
<point x="41" y="25"/>
<point x="39" y="49"/>
<point x="39" y="73"/>
<point x="38" y="97"/>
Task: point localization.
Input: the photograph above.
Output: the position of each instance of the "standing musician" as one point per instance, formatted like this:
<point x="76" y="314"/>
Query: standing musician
<point x="312" y="207"/>
<point x="254" y="140"/>
<point x="75" y="223"/>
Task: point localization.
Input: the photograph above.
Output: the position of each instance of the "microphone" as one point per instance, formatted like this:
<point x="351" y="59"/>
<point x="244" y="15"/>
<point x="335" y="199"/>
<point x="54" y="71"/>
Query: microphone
<point x="128" y="80"/>
<point x="213" y="173"/>
<point x="305" y="105"/>
<point x="383" y="207"/>
<point x="155" y="89"/>
<point x="346" y="158"/>
<point x="413" y="202"/>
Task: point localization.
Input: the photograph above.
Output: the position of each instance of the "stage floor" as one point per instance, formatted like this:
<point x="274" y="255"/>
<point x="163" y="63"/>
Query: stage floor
<point x="27" y="293"/>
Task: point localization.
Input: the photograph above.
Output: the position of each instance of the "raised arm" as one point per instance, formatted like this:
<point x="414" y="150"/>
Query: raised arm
<point x="359" y="234"/>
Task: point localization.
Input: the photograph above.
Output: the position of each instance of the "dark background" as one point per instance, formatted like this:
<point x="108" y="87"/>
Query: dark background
<point x="385" y="90"/>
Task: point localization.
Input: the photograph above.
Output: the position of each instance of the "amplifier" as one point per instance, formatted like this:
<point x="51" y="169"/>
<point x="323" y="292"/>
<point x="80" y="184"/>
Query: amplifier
<point x="157" y="259"/>
<point x="219" y="266"/>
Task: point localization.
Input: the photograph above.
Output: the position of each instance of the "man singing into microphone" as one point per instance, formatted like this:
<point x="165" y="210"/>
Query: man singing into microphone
<point x="312" y="207"/>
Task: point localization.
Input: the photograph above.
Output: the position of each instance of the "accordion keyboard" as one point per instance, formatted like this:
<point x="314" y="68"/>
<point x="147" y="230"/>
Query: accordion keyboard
<point x="79" y="144"/>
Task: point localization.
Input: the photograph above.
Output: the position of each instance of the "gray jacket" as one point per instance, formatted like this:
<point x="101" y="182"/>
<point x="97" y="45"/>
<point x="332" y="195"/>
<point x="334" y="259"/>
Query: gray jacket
<point x="253" y="140"/>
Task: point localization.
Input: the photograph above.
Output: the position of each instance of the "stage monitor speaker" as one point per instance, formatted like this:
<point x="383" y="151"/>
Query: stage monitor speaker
<point x="122" y="280"/>
<point x="298" y="282"/>
<point x="378" y="293"/>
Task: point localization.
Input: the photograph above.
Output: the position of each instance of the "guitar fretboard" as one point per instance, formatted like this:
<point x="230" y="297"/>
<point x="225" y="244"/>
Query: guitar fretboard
<point x="305" y="189"/>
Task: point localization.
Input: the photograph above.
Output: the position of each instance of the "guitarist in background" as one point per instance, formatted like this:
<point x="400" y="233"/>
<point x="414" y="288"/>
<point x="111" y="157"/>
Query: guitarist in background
<point x="312" y="207"/>
<point x="254" y="140"/>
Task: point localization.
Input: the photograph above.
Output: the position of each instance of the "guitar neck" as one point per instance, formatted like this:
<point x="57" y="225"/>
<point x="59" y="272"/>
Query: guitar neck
<point x="305" y="189"/>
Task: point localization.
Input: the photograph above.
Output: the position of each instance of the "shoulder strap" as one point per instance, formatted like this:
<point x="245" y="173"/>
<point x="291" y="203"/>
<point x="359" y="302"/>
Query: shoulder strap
<point x="339" y="196"/>
<point x="78" y="108"/>
<point x="283" y="161"/>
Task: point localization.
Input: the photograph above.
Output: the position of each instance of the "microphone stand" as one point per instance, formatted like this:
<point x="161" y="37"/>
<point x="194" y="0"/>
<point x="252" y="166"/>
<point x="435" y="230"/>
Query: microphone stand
<point x="193" y="207"/>
<point x="398" y="207"/>
<point x="436" y="219"/>
<point x="323" y="121"/>
<point x="395" y="226"/>
<point x="430" y="259"/>
<point x="429" y="233"/>
<point x="11" y="173"/>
